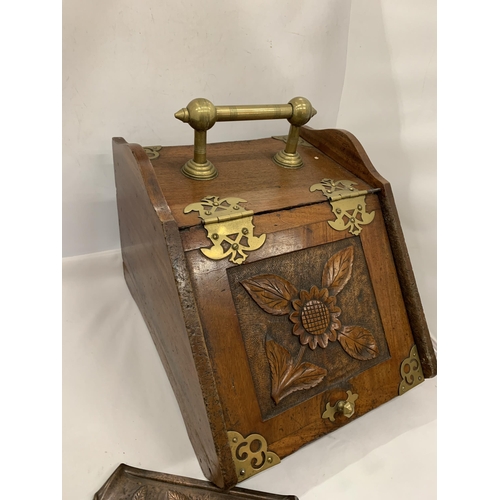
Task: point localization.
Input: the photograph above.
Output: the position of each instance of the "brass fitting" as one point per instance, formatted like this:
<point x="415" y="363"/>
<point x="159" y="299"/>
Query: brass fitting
<point x="201" y="114"/>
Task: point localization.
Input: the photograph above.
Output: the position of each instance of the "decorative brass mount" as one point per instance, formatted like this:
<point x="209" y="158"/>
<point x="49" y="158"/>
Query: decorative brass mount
<point x="229" y="227"/>
<point x="201" y="114"/>
<point x="250" y="454"/>
<point x="153" y="152"/>
<point x="411" y="372"/>
<point x="348" y="204"/>
<point x="346" y="407"/>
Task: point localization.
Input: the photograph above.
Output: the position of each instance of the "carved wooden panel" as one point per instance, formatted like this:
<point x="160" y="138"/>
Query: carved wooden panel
<point x="309" y="321"/>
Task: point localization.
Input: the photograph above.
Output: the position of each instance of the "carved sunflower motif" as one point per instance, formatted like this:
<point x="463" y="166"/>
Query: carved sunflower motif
<point x="315" y="317"/>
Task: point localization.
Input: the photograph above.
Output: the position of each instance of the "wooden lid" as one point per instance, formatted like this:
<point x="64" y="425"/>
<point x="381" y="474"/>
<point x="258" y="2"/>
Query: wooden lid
<point x="246" y="170"/>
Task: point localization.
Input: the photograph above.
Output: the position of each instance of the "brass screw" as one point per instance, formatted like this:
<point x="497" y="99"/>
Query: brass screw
<point x="338" y="211"/>
<point x="270" y="459"/>
<point x="351" y="189"/>
<point x="236" y="207"/>
<point x="235" y="440"/>
<point x="352" y="219"/>
<point x="242" y="472"/>
<point x="235" y="246"/>
<point x="359" y="207"/>
<point x="419" y="378"/>
<point x="244" y="230"/>
<point x="216" y="204"/>
<point x="207" y="212"/>
<point x="215" y="236"/>
<point x="328" y="190"/>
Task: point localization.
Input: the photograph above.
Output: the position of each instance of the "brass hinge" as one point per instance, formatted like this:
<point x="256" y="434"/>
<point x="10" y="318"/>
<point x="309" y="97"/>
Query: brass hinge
<point x="234" y="215"/>
<point x="348" y="204"/>
<point x="229" y="227"/>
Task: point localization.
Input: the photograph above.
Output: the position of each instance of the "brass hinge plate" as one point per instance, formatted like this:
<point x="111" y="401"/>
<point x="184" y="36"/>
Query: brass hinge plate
<point x="348" y="204"/>
<point x="229" y="227"/>
<point x="250" y="454"/>
<point x="411" y="372"/>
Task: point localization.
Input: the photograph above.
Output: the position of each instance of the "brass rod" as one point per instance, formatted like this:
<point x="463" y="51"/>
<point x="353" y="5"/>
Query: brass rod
<point x="253" y="112"/>
<point x="202" y="115"/>
<point x="292" y="140"/>
<point x="200" y="146"/>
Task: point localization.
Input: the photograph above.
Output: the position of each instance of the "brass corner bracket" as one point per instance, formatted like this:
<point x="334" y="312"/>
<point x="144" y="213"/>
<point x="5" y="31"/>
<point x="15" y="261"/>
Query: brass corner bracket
<point x="153" y="152"/>
<point x="411" y="372"/>
<point x="229" y="227"/>
<point x="348" y="204"/>
<point x="202" y="115"/>
<point x="250" y="454"/>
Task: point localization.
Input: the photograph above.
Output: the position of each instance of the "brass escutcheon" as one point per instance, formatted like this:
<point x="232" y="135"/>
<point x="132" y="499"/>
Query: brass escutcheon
<point x="344" y="406"/>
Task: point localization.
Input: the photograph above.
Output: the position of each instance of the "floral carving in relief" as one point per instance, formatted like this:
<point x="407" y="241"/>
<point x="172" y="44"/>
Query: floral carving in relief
<point x="315" y="317"/>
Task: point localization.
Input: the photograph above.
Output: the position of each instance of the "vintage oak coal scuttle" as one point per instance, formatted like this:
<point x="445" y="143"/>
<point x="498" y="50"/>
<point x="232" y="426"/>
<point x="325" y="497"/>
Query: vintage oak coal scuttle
<point x="275" y="282"/>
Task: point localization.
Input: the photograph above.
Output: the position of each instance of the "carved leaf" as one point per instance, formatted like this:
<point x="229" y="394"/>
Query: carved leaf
<point x="272" y="293"/>
<point x="140" y="494"/>
<point x="287" y="377"/>
<point x="175" y="495"/>
<point x="338" y="269"/>
<point x="358" y="342"/>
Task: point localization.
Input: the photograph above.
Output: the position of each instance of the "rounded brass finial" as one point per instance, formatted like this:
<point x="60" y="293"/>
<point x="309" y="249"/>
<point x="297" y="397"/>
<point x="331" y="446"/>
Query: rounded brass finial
<point x="302" y="111"/>
<point x="200" y="114"/>
<point x="182" y="115"/>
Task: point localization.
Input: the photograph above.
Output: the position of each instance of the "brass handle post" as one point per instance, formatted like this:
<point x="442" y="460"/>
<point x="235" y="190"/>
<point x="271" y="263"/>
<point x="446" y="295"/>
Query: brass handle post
<point x="202" y="115"/>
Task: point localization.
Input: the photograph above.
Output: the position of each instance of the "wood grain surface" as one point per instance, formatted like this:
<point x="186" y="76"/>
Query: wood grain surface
<point x="246" y="170"/>
<point x="288" y="427"/>
<point x="342" y="147"/>
<point x="154" y="268"/>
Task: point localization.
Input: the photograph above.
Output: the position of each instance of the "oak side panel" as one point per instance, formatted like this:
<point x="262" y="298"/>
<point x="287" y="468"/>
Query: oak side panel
<point x="343" y="148"/>
<point x="154" y="267"/>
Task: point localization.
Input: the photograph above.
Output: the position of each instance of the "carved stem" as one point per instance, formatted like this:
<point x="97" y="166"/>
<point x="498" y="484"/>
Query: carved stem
<point x="300" y="355"/>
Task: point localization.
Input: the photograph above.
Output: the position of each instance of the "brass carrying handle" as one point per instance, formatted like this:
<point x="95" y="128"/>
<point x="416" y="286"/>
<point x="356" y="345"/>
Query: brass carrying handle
<point x="201" y="114"/>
